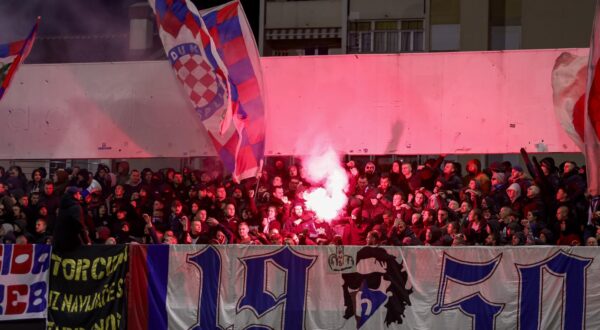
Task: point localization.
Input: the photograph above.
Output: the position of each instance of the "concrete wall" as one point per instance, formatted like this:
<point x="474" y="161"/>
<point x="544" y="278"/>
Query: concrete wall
<point x="407" y="104"/>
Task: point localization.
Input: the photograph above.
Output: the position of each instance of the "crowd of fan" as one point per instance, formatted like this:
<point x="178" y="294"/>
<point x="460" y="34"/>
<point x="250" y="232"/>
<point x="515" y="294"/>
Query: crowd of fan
<point x="408" y="204"/>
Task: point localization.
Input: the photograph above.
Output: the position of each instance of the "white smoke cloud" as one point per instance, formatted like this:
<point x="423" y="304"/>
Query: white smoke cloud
<point x="323" y="168"/>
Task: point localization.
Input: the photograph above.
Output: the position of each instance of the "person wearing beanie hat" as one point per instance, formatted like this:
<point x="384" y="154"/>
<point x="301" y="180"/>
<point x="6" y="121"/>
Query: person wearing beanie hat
<point x="498" y="195"/>
<point x="72" y="190"/>
<point x="372" y="205"/>
<point x="516" y="174"/>
<point x="499" y="177"/>
<point x="519" y="176"/>
<point x="356" y="213"/>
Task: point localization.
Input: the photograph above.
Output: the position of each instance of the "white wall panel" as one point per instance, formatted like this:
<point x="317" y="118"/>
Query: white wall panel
<point x="470" y="102"/>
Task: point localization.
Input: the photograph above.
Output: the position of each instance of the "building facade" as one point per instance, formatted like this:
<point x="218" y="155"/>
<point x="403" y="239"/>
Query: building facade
<point x="322" y="27"/>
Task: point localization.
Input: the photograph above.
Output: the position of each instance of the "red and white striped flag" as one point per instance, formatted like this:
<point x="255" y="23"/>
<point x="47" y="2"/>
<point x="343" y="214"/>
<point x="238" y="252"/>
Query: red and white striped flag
<point x="591" y="118"/>
<point x="569" y="78"/>
<point x="576" y="93"/>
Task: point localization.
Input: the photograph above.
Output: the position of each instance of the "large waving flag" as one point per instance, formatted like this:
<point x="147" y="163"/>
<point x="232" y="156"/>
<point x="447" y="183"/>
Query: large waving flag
<point x="576" y="93"/>
<point x="591" y="118"/>
<point x="569" y="78"/>
<point x="196" y="63"/>
<point x="12" y="54"/>
<point x="209" y="71"/>
<point x="231" y="33"/>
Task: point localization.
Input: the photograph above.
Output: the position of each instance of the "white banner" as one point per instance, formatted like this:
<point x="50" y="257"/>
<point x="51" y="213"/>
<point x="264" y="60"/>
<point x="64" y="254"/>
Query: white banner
<point x="302" y="287"/>
<point x="23" y="281"/>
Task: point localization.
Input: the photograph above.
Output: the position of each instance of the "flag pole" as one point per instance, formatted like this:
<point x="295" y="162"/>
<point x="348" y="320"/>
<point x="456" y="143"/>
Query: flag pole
<point x="258" y="176"/>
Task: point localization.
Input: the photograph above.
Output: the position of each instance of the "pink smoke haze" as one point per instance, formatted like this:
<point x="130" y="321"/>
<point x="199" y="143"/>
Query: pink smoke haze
<point x="325" y="170"/>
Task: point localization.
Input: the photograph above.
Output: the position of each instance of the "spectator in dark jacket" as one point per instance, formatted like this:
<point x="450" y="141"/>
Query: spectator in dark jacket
<point x="69" y="231"/>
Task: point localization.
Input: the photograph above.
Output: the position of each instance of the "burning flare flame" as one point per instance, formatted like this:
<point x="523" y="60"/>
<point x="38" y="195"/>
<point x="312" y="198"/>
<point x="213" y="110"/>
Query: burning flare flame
<point x="325" y="170"/>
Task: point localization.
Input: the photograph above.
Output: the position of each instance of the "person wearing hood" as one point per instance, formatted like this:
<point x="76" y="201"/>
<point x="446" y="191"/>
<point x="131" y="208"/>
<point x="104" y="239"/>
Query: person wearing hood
<point x="69" y="230"/>
<point x="514" y="196"/>
<point x="474" y="172"/>
<point x="355" y="232"/>
<point x="498" y="192"/>
<point x="548" y="180"/>
<point x="16" y="180"/>
<point x="572" y="180"/>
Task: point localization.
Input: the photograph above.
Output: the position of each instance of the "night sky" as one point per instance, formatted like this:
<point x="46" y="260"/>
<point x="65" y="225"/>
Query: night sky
<point x="107" y="21"/>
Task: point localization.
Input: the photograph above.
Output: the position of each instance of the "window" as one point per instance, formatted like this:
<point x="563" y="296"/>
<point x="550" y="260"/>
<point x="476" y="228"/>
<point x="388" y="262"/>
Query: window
<point x="385" y="36"/>
<point x="280" y="52"/>
<point x="301" y="51"/>
<point x="505" y="24"/>
<point x="412" y="36"/>
<point x="505" y="37"/>
<point x="445" y="37"/>
<point x="316" y="51"/>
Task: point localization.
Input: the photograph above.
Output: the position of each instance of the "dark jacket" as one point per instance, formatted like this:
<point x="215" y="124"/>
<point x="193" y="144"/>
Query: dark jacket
<point x="396" y="238"/>
<point x="69" y="231"/>
<point x="355" y="232"/>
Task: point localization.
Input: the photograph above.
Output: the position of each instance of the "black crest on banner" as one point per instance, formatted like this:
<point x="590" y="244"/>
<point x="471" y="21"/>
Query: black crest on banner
<point x="379" y="281"/>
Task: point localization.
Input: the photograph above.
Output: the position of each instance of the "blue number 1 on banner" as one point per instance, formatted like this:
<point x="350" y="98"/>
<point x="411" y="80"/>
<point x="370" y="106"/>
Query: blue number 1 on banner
<point x="208" y="262"/>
